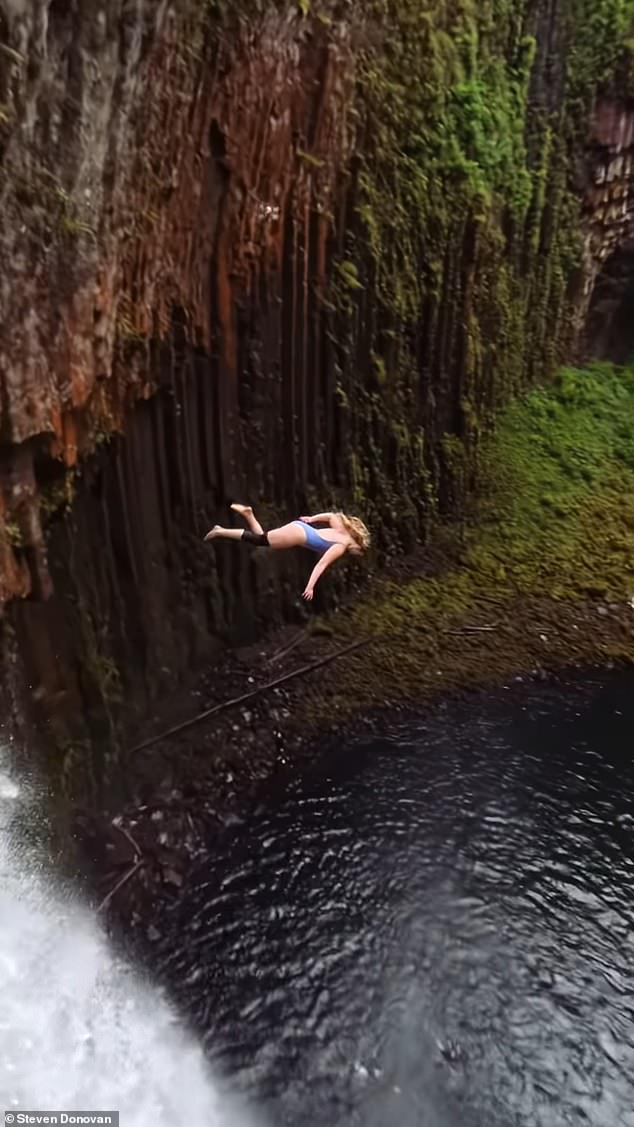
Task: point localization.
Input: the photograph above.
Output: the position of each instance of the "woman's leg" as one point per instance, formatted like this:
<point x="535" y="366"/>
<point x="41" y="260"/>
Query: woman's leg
<point x="247" y="512"/>
<point x="291" y="535"/>
<point x="218" y="533"/>
<point x="255" y="535"/>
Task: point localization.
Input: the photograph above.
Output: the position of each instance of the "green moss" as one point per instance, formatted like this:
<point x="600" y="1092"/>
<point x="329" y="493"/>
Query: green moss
<point x="560" y="513"/>
<point x="602" y="29"/>
<point x="342" y="398"/>
<point x="556" y="519"/>
<point x="75" y="227"/>
<point x="65" y="213"/>
<point x="349" y="274"/>
<point x="58" y="496"/>
<point x="485" y="134"/>
<point x="449" y="106"/>
<point x="379" y="369"/>
<point x="309" y="158"/>
<point x="13" y="533"/>
<point x="126" y="332"/>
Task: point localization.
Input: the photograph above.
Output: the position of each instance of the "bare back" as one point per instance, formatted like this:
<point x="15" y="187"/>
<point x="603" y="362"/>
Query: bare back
<point x="293" y="535"/>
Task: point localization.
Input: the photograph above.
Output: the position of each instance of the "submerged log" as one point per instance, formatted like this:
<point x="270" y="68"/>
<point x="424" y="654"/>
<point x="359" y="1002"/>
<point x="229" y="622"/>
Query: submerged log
<point x="248" y="696"/>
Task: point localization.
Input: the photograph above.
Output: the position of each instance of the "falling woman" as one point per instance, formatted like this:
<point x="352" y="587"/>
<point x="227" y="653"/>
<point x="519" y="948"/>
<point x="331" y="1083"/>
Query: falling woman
<point x="337" y="535"/>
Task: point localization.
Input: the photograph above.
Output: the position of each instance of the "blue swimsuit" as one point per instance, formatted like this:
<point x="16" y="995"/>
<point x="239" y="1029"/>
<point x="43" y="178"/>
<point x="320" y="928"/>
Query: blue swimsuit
<point x="315" y="542"/>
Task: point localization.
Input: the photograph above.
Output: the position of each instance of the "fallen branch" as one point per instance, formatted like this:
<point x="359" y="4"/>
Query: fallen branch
<point x="128" y="835"/>
<point x="473" y="629"/>
<point x="287" y="649"/>
<point x="248" y="696"/>
<point x="120" y="883"/>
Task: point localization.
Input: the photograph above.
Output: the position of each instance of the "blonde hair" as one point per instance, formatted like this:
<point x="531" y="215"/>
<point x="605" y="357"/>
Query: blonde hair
<point x="357" y="530"/>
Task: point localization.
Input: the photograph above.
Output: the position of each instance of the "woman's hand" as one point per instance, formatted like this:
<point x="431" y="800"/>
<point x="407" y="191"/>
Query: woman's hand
<point x="308" y="593"/>
<point x="307" y="520"/>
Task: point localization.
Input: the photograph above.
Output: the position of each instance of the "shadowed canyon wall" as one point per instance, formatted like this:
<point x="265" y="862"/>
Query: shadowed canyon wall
<point x="608" y="299"/>
<point x="295" y="252"/>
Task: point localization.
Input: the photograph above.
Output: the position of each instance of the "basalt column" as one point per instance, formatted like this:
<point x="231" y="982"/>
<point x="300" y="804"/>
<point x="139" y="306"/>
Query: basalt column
<point x="608" y="332"/>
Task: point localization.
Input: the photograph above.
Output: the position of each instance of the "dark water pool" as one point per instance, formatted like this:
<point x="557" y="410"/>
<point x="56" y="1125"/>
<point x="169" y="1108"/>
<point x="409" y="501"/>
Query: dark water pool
<point x="437" y="929"/>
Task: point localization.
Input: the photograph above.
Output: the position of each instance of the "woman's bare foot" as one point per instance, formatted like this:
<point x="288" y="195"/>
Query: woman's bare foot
<point x="213" y="532"/>
<point x="246" y="512"/>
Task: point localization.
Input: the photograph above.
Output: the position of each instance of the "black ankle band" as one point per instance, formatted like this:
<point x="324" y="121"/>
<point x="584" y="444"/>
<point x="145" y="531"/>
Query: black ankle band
<point x="260" y="539"/>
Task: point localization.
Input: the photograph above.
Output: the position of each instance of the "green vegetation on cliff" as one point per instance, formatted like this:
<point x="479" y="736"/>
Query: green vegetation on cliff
<point x="468" y="238"/>
<point x="464" y="125"/>
<point x="559" y="516"/>
<point x="556" y="519"/>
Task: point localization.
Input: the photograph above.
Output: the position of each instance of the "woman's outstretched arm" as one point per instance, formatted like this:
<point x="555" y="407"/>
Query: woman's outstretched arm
<point x="319" y="518"/>
<point x="326" y="560"/>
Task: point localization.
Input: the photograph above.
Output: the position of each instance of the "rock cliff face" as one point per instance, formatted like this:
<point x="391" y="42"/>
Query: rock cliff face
<point x="609" y="276"/>
<point x="294" y="252"/>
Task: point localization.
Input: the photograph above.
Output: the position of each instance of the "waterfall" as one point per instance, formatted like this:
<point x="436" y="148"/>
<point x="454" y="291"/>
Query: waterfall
<point x="79" y="1028"/>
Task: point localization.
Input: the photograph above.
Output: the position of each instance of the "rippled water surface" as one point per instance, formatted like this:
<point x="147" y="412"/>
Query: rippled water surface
<point x="437" y="929"/>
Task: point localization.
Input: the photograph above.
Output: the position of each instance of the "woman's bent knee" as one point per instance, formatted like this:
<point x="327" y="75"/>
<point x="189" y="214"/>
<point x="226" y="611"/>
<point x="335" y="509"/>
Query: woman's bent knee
<point x="259" y="539"/>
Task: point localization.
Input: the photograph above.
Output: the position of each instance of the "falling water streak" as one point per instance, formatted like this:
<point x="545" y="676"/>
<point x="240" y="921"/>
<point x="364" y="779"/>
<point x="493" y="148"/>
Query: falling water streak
<point x="78" y="1028"/>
